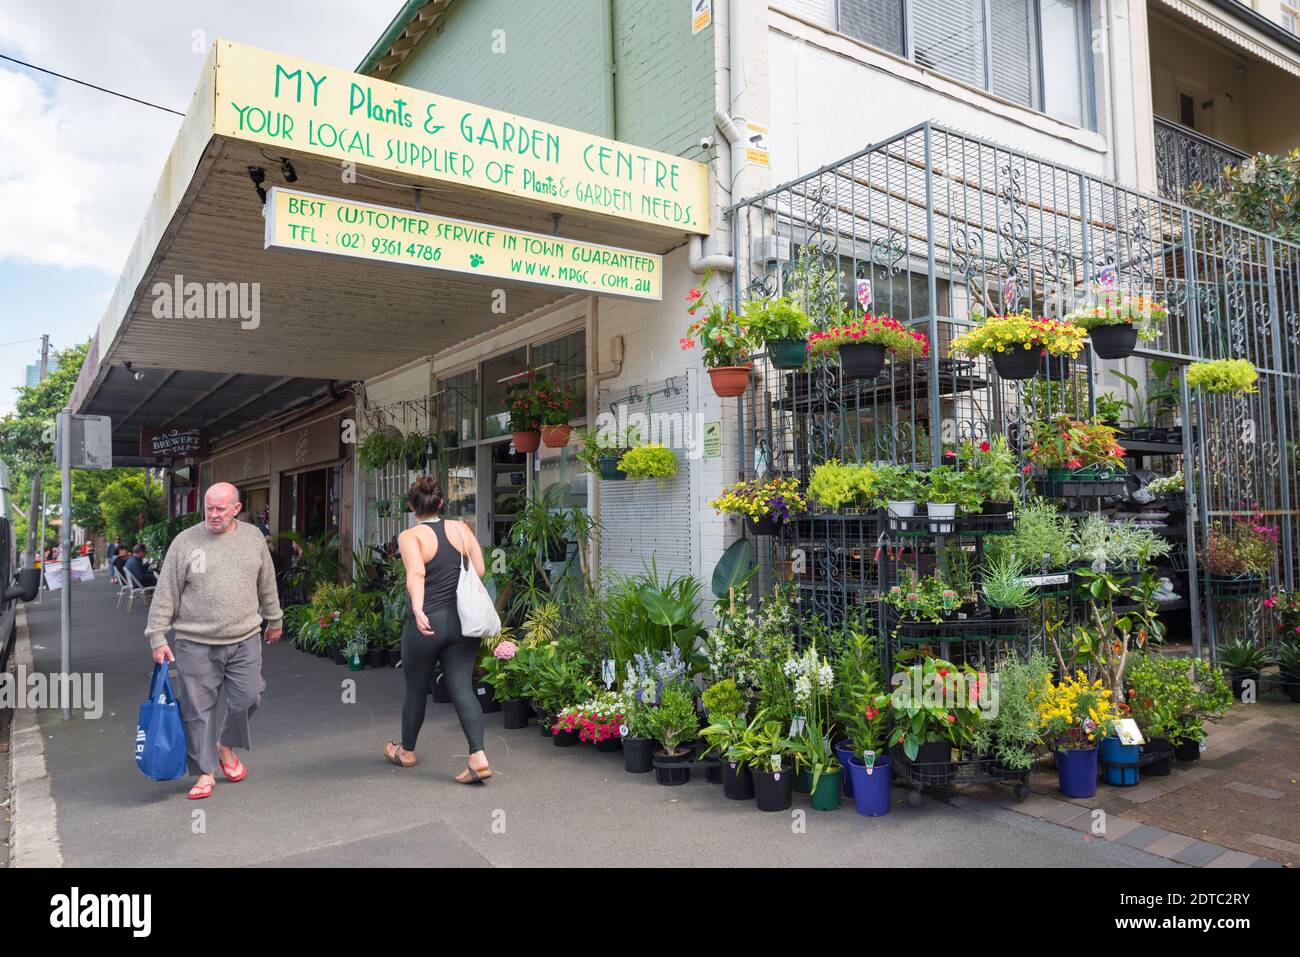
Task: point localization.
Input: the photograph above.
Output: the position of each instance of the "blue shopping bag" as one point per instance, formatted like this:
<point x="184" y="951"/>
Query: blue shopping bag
<point x="160" y="735"/>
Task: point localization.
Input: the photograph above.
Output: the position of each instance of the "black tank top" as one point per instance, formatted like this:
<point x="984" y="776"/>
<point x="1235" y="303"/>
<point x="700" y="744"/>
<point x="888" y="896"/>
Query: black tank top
<point x="442" y="572"/>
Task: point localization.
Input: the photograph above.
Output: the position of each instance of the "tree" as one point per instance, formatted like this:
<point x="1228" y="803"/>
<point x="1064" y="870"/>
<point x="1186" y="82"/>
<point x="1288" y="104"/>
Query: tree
<point x="130" y="501"/>
<point x="1263" y="193"/>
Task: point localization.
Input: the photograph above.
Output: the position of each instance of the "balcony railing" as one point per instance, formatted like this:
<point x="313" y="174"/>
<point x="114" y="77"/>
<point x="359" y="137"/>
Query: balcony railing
<point x="1184" y="157"/>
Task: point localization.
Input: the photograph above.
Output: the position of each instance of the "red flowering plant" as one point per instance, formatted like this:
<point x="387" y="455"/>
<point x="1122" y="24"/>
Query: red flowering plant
<point x="1245" y="548"/>
<point x="991" y="467"/>
<point x="1285" y="607"/>
<point x="599" y="719"/>
<point x="724" y="336"/>
<point x="873" y="330"/>
<point x="1067" y="443"/>
<point x="534" y="400"/>
<point x="935" y="700"/>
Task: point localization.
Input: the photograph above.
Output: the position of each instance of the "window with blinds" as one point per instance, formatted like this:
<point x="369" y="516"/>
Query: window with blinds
<point x="997" y="45"/>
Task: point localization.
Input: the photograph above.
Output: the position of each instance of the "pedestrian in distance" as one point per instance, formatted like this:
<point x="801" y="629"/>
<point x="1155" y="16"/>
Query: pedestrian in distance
<point x="215" y="589"/>
<point x="432" y="553"/>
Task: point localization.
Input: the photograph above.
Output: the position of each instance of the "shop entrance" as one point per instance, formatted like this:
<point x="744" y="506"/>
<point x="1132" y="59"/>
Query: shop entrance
<point x="309" y="502"/>
<point x="257" y="507"/>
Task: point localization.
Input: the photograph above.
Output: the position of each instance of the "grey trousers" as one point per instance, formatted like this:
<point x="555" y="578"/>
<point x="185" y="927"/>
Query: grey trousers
<point x="205" y="671"/>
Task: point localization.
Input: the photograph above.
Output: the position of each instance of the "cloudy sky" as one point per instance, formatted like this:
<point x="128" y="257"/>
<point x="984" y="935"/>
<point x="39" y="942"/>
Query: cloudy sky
<point x="78" y="167"/>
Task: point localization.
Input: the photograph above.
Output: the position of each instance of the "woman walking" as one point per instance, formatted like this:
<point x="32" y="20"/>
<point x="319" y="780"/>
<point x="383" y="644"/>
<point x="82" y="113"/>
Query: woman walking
<point x="432" y="553"/>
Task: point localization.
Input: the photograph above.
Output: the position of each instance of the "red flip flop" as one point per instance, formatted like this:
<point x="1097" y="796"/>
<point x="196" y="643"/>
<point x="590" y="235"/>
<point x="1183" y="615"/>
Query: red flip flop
<point x="236" y="772"/>
<point x="198" y="792"/>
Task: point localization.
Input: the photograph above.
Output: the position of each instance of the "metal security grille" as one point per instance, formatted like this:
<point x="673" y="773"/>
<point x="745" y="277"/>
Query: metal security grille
<point x="939" y="222"/>
<point x="644" y="519"/>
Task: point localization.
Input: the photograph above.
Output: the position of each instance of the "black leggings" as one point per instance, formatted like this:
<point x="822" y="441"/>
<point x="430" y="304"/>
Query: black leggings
<point x="457" y="655"/>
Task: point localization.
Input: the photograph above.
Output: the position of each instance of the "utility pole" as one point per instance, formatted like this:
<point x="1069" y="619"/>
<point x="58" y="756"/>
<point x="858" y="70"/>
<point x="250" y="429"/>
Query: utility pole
<point x="30" y="561"/>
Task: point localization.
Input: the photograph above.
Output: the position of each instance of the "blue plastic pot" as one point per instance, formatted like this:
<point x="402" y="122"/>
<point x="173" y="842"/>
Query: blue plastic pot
<point x="1117" y="757"/>
<point x="844" y="751"/>
<point x="871" y="789"/>
<point x="1077" y="770"/>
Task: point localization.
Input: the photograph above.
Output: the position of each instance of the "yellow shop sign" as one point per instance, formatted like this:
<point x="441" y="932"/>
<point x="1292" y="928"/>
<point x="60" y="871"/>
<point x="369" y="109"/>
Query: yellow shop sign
<point x="282" y="101"/>
<point x="327" y="224"/>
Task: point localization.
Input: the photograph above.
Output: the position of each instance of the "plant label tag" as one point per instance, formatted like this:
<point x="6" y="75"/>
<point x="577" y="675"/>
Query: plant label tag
<point x="954" y="755"/>
<point x="480" y="691"/>
<point x="796" y="726"/>
<point x="622" y="731"/>
<point x="777" y="776"/>
<point x="1127" y="731"/>
<point x="869" y="759"/>
<point x="607" y="672"/>
<point x="775" y="762"/>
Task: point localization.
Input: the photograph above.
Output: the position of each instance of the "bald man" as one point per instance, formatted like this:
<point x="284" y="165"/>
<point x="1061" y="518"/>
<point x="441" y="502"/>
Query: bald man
<point x="216" y="586"/>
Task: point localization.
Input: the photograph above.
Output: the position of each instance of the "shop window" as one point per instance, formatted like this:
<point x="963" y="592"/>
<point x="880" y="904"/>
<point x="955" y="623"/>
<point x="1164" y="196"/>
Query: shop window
<point x="458" y="409"/>
<point x="459" y="479"/>
<point x="565" y="361"/>
<point x="498" y="373"/>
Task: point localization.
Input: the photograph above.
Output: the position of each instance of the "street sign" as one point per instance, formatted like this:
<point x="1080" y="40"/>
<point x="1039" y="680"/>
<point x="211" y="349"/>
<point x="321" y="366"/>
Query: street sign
<point x="91" y="444"/>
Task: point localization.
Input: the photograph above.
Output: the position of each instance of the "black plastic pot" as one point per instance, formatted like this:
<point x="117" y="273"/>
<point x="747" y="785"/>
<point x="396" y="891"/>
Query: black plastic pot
<point x="1188" y="751"/>
<point x="1161" y="751"/>
<point x="1114" y="342"/>
<point x="487" y="699"/>
<point x="773" y="791"/>
<point x="996" y="508"/>
<point x="1239" y="676"/>
<point x="737" y="780"/>
<point x="638" y="755"/>
<point x="322" y="652"/>
<point x="762" y="526"/>
<point x="377" y="658"/>
<point x="861" y="360"/>
<point x="514" y="713"/>
<point x="1291" y="682"/>
<point x="544" y="722"/>
<point x="612" y="743"/>
<point x="566" y="739"/>
<point x="673" y="770"/>
<point x="337" y="656"/>
<point x="392" y="656"/>
<point x="933" y="764"/>
<point x="609" y="470"/>
<point x="1018" y="363"/>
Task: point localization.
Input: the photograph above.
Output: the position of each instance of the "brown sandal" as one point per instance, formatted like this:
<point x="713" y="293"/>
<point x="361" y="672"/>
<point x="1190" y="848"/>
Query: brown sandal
<point x="392" y="751"/>
<point x="476" y="777"/>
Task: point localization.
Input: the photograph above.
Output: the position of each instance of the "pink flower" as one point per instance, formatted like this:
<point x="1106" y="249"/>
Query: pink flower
<point x="1026" y="470"/>
<point x="693" y="295"/>
<point x="1269" y="603"/>
<point x="505" y="651"/>
<point x="686" y="343"/>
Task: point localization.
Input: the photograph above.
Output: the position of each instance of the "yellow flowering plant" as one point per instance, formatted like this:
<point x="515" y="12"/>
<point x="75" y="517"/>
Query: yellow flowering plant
<point x="778" y="498"/>
<point x="1074" y="713"/>
<point x="1003" y="333"/>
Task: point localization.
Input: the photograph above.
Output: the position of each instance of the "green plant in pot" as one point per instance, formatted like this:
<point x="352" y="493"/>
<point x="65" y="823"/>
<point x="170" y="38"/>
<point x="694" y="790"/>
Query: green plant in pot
<point x="603" y="447"/>
<point x="923" y="598"/>
<point x="1244" y="661"/>
<point x="782" y="326"/>
<point x="1288" y="661"/>
<point x="813" y="681"/>
<point x="649" y="461"/>
<point x="897" y="488"/>
<point x="992" y="474"/>
<point x="675" y="725"/>
<point x="1072" y="450"/>
<point x="932" y="715"/>
<point x="355" y="651"/>
<point x="419" y="450"/>
<point x="379" y="448"/>
<point x="1003" y="588"/>
<point x="946" y="490"/>
<point x="766" y="750"/>
<point x="1013" y="736"/>
<point x="839" y="485"/>
<point x="724" y="707"/>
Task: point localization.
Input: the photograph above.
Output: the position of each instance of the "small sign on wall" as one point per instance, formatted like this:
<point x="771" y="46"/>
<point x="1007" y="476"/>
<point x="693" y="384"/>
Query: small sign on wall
<point x="712" y="441"/>
<point x="756" y="144"/>
<point x="701" y="15"/>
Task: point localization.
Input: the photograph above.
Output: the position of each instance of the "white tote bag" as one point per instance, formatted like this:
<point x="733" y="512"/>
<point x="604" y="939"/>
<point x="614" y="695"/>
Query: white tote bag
<point x="478" y="615"/>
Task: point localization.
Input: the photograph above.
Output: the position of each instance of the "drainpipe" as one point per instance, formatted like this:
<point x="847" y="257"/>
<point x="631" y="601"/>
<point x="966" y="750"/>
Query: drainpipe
<point x="594" y="379"/>
<point x="607" y="28"/>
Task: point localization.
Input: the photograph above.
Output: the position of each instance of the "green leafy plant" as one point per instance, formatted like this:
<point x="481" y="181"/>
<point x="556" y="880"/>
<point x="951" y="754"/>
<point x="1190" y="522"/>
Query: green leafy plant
<point x="1242" y="654"/>
<point x="724" y="336"/>
<point x="1261" y="193"/>
<point x="1230" y="376"/>
<point x="1111" y="408"/>
<point x="837" y="484"/>
<point x="605" y="443"/>
<point x="379" y="448"/>
<point x="649" y="461"/>
<point x="722" y="699"/>
<point x="1118" y="544"/>
<point x="932" y="701"/>
<point x="1167" y="701"/>
<point x="1013" y="735"/>
<point x="731" y="576"/>
<point x="897" y="483"/>
<point x="763" y="746"/>
<point x="1161" y="393"/>
<point x="772" y="319"/>
<point x="1041" y="539"/>
<point x="927" y="598"/>
<point x="991" y="473"/>
<point x="674" y="722"/>
<point x="945" y="485"/>
<point x="1068" y="443"/>
<point x="1002" y="585"/>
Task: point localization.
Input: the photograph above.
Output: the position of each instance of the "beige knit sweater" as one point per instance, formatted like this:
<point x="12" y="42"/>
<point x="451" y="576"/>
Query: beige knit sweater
<point x="214" y="588"/>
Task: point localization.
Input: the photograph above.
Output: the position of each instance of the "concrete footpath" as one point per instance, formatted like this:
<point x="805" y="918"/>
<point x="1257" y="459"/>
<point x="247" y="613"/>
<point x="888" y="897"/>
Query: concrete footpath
<point x="319" y="792"/>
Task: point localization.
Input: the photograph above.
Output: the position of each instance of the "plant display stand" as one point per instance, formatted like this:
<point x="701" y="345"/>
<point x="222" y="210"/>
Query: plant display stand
<point x="968" y="769"/>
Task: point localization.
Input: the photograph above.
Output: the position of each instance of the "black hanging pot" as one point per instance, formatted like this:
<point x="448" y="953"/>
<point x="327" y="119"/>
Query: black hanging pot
<point x="1114" y="342"/>
<point x="514" y="713"/>
<point x="861" y="360"/>
<point x="609" y="470"/>
<point x="762" y="526"/>
<point x="1018" y="362"/>
<point x="1156" y="754"/>
<point x="996" y="508"/>
<point x="737" y="780"/>
<point x="638" y="755"/>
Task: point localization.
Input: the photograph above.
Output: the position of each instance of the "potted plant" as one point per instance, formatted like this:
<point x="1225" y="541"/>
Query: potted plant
<point x="1071" y="450"/>
<point x="782" y="327"/>
<point x="1160" y="696"/>
<point x="813" y="680"/>
<point x="766" y="750"/>
<point x="649" y="461"/>
<point x="1012" y="736"/>
<point x="1172" y="489"/>
<point x="931" y="717"/>
<point x="836" y="485"/>
<point x="1238" y="558"/>
<point x="725" y="340"/>
<point x="1116" y="321"/>
<point x="1223" y="376"/>
<point x="1244" y="661"/>
<point x="418" y="450"/>
<point x="766" y="504"/>
<point x="525" y="416"/>
<point x="1211" y="700"/>
<point x="861" y="343"/>
<point x="566" y="727"/>
<point x="926" y="598"/>
<point x="602" y="719"/>
<point x="992" y="474"/>
<point x="638" y="734"/>
<point x="1111" y="408"/>
<point x="504" y="668"/>
<point x="556" y="405"/>
<point x="675" y="725"/>
<point x="1288" y="662"/>
<point x="865" y="718"/>
<point x="897" y="488"/>
<point x="379" y="448"/>
<point x="725" y="709"/>
<point x="945" y="489"/>
<point x="1016" y="343"/>
<point x="1004" y="590"/>
<point x="354" y="652"/>
<point x="602" y="448"/>
<point x="1074" y="715"/>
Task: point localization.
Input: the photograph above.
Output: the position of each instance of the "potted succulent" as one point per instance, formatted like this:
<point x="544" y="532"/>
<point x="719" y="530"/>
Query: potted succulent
<point x="1003" y="587"/>
<point x="725" y="708"/>
<point x="602" y="448"/>
<point x="766" y="504"/>
<point x="649" y="461"/>
<point x="1238" y="558"/>
<point x="1076" y="451"/>
<point x="1223" y="376"/>
<point x="1116" y="321"/>
<point x="1288" y="662"/>
<point x="675" y="726"/>
<point x="861" y="343"/>
<point x="766" y="750"/>
<point x="725" y="340"/>
<point x="782" y="327"/>
<point x="992" y="473"/>
<point x="1074" y="715"/>
<point x="1244" y="661"/>
<point x="1016" y="343"/>
<point x="525" y="415"/>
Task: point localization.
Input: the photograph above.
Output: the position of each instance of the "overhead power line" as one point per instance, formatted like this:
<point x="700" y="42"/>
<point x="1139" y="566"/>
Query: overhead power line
<point x="101" y="89"/>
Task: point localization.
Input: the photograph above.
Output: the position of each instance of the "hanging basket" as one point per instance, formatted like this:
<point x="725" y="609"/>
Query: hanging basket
<point x="1018" y="362"/>
<point x="526" y="441"/>
<point x="1114" y="342"/>
<point x="730" y="381"/>
<point x="861" y="360"/>
<point x="788" y="353"/>
<point x="556" y="436"/>
<point x="609" y="470"/>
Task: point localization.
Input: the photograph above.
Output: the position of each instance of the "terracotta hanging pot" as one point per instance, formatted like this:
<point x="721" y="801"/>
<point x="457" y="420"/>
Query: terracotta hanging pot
<point x="526" y="441"/>
<point x="556" y="436"/>
<point x="730" y="381"/>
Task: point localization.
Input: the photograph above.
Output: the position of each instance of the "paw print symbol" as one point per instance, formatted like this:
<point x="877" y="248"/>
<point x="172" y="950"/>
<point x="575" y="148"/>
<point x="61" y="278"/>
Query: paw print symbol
<point x="475" y="260"/>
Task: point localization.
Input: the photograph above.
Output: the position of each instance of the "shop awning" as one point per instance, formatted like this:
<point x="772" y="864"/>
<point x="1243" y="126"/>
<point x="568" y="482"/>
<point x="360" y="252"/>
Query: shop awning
<point x="321" y="318"/>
